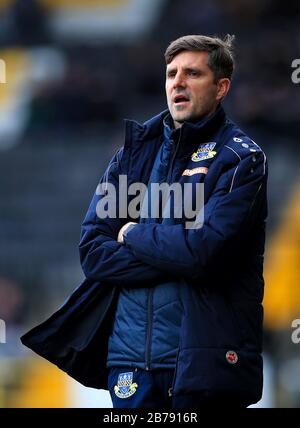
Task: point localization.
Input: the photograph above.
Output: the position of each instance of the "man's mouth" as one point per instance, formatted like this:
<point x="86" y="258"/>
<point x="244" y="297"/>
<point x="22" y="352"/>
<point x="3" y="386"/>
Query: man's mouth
<point x="180" y="99"/>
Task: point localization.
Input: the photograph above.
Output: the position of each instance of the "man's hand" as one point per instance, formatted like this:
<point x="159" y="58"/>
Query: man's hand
<point x="122" y="230"/>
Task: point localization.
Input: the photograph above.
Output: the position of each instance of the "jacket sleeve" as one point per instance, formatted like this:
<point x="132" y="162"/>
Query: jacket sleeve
<point x="227" y="215"/>
<point x="102" y="257"/>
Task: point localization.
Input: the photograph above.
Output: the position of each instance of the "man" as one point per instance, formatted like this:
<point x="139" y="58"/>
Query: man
<point x="173" y="312"/>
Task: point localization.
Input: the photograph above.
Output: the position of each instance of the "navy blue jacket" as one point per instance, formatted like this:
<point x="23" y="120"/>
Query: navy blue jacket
<point x="219" y="266"/>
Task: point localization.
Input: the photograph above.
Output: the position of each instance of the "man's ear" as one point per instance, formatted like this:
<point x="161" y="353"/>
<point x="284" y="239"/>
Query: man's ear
<point x="223" y="86"/>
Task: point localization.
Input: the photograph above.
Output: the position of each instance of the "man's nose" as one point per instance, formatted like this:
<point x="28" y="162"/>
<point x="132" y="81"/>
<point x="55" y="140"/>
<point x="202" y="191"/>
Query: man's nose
<point x="179" y="81"/>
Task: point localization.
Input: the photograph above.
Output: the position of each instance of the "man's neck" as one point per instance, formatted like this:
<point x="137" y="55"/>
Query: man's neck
<point x="178" y="125"/>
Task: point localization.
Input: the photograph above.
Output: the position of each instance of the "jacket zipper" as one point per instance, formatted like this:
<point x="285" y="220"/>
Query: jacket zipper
<point x="150" y="294"/>
<point x="173" y="158"/>
<point x="170" y="390"/>
<point x="149" y="328"/>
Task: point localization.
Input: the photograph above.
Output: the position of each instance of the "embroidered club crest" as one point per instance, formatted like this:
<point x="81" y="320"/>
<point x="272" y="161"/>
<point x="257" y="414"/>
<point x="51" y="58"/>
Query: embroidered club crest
<point x="125" y="388"/>
<point x="205" y="151"/>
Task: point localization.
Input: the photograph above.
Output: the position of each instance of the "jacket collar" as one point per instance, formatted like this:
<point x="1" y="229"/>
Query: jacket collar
<point x="191" y="134"/>
<point x="206" y="125"/>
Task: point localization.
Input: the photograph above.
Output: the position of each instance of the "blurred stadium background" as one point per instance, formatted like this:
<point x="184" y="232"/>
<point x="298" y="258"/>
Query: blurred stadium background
<point x="74" y="70"/>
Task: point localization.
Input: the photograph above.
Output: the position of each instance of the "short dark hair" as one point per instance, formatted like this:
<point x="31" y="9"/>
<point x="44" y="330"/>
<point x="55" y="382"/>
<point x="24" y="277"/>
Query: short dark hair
<point x="220" y="59"/>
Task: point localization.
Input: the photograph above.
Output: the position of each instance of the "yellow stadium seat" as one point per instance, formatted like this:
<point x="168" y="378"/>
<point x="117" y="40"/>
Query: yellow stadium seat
<point x="42" y="385"/>
<point x="16" y="63"/>
<point x="282" y="269"/>
<point x="84" y="4"/>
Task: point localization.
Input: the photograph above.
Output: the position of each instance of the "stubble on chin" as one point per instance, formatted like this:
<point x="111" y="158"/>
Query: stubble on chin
<point x="183" y="117"/>
<point x="180" y="114"/>
<point x="180" y="108"/>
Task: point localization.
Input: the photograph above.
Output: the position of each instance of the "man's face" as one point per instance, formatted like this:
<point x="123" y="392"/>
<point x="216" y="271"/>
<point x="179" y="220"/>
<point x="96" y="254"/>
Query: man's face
<point x="190" y="88"/>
